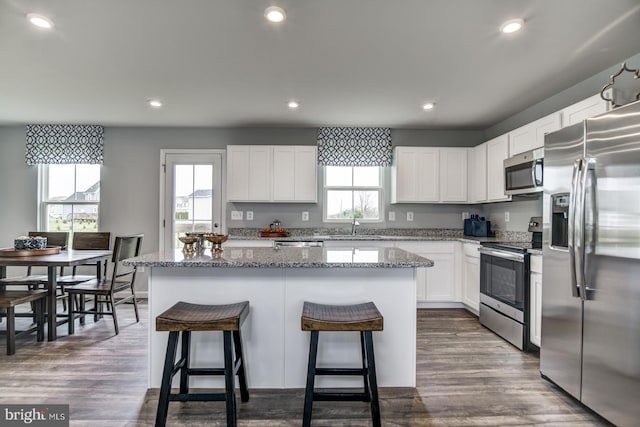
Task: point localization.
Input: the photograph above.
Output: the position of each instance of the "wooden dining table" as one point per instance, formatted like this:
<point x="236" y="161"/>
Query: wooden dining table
<point x="66" y="258"/>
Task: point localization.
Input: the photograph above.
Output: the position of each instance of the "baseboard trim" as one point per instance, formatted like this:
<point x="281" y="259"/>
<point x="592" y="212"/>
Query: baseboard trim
<point x="423" y="304"/>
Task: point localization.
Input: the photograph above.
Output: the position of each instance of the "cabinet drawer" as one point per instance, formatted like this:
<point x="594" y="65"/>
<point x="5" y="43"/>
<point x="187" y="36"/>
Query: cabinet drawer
<point x="471" y="249"/>
<point x="536" y="263"/>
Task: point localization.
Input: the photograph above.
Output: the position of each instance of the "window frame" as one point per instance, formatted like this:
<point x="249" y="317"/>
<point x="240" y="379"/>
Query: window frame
<point x="353" y="188"/>
<point x="44" y="202"/>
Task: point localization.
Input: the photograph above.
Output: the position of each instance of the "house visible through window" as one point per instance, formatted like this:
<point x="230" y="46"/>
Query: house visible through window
<point x="352" y="192"/>
<point x="69" y="197"/>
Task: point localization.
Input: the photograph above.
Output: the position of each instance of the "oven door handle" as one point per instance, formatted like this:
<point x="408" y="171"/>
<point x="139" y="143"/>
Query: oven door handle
<point x="513" y="256"/>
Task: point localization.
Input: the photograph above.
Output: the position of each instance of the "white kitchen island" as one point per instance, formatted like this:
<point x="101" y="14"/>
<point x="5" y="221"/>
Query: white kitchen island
<point x="276" y="282"/>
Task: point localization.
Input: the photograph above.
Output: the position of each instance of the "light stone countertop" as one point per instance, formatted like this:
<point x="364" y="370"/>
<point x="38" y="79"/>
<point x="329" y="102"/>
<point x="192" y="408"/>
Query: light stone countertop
<point x="287" y="257"/>
<point x="431" y="235"/>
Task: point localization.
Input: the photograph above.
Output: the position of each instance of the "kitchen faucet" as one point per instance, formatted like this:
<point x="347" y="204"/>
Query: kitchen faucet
<point x="354" y="224"/>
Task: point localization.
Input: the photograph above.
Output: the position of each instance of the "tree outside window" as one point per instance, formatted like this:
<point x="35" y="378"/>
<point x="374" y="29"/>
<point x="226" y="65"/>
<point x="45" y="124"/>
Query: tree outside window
<point x="352" y="192"/>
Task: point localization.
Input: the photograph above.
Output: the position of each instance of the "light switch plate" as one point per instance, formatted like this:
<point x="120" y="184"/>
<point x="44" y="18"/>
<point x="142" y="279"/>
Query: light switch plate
<point x="409" y="216"/>
<point x="465" y="215"/>
<point x="249" y="215"/>
<point x="305" y="216"/>
<point x="392" y="216"/>
<point x="236" y="215"/>
<point x="507" y="217"/>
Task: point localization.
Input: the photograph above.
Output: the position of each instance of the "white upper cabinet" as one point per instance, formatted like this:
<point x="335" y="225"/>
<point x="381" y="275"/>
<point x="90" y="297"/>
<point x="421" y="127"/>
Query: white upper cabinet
<point x="294" y="173"/>
<point x="429" y="175"/>
<point x="477" y="179"/>
<point x="248" y="173"/>
<point x="531" y="135"/>
<point x="267" y="173"/>
<point x="582" y="110"/>
<point x="260" y="169"/>
<point x="497" y="152"/>
<point x="453" y="174"/>
<point x="237" y="172"/>
<point x="415" y="174"/>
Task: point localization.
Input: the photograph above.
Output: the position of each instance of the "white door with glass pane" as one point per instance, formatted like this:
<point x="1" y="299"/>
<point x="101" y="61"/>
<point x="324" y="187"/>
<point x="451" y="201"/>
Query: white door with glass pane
<point x="192" y="194"/>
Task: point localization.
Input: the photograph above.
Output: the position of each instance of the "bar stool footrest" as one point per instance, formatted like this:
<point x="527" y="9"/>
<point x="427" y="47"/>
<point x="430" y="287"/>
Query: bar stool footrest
<point x="205" y="371"/>
<point x="341" y="397"/>
<point x="341" y="371"/>
<point x="197" y="397"/>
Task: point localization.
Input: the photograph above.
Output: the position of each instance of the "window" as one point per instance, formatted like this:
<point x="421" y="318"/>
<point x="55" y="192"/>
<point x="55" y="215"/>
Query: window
<point x="69" y="197"/>
<point x="352" y="192"/>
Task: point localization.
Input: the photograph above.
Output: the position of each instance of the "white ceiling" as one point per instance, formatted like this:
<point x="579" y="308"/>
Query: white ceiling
<point x="348" y="62"/>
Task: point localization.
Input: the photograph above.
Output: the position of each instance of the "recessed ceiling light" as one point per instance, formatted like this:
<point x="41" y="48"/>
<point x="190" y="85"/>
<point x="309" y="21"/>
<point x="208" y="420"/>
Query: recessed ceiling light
<point x="293" y="105"/>
<point x="428" y="106"/>
<point x="155" y="103"/>
<point x="275" y="14"/>
<point x="512" y="25"/>
<point x="40" y="21"/>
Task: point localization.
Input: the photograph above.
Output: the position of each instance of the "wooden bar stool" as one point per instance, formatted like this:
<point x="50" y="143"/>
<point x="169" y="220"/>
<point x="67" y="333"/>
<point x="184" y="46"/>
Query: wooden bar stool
<point x="184" y="317"/>
<point x="363" y="318"/>
<point x="9" y="300"/>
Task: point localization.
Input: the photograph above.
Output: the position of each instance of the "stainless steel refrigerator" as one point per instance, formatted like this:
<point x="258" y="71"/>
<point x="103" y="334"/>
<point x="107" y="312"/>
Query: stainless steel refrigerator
<point x="591" y="263"/>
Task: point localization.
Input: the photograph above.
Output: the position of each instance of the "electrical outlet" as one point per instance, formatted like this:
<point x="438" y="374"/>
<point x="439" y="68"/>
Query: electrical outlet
<point x="236" y="215"/>
<point x="409" y="216"/>
<point x="249" y="215"/>
<point x="507" y="217"/>
<point x="465" y="215"/>
<point x="392" y="216"/>
<point x="305" y="216"/>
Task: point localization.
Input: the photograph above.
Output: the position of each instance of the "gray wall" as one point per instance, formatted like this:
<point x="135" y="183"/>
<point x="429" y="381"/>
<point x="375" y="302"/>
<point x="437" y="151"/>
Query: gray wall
<point x="578" y="92"/>
<point x="131" y="172"/>
<point x="18" y="187"/>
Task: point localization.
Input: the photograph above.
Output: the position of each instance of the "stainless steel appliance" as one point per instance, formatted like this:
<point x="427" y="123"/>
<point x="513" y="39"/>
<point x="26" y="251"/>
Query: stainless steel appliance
<point x="590" y="343"/>
<point x="298" y="244"/>
<point x="504" y="291"/>
<point x="523" y="172"/>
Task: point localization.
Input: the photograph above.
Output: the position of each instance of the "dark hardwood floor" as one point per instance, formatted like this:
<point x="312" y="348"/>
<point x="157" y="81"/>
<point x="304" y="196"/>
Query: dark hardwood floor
<point x="466" y="376"/>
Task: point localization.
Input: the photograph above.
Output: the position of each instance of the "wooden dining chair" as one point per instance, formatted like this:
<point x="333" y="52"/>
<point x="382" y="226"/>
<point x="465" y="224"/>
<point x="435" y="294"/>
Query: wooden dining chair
<point x="55" y="238"/>
<point x="104" y="289"/>
<point x="35" y="281"/>
<point x="93" y="241"/>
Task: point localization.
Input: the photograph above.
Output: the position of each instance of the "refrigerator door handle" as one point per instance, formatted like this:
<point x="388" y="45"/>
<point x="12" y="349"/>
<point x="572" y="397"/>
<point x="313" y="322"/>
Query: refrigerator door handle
<point x="575" y="287"/>
<point x="590" y="193"/>
<point x="579" y="228"/>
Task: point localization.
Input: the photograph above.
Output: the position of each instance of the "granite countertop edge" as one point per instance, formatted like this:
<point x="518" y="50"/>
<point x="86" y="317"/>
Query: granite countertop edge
<point x="245" y="264"/>
<point x="285" y="258"/>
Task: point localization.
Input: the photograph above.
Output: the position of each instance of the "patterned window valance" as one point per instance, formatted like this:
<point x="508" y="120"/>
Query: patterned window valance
<point x="354" y="146"/>
<point x="60" y="144"/>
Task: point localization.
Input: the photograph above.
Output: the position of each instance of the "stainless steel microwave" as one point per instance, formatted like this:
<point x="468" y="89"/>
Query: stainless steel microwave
<point x="523" y="172"/>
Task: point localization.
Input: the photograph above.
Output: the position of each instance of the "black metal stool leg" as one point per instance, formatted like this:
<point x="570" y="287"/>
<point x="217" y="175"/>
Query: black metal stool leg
<point x="311" y="376"/>
<point x="365" y="375"/>
<point x="184" y="371"/>
<point x="371" y="370"/>
<point x="242" y="375"/>
<point x="229" y="380"/>
<point x="165" y="386"/>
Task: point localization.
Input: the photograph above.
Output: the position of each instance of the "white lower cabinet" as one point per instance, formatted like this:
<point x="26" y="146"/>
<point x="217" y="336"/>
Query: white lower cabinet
<point x="357" y="244"/>
<point x="471" y="276"/>
<point x="437" y="284"/>
<point x="535" y="300"/>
